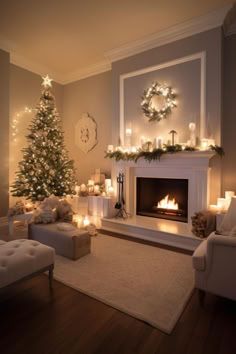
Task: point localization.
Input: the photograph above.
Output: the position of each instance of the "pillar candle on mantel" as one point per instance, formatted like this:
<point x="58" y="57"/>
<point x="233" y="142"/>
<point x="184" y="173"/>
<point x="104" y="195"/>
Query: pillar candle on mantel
<point x="192" y="129"/>
<point x="158" y="142"/>
<point x="128" y="133"/>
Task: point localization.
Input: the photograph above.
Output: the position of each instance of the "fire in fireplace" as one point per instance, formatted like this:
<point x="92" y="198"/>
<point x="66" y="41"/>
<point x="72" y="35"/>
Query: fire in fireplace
<point x="165" y="198"/>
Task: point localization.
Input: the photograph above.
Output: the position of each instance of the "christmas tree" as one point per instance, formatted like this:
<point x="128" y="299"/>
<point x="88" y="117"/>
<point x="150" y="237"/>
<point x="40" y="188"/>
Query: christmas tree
<point x="45" y="169"/>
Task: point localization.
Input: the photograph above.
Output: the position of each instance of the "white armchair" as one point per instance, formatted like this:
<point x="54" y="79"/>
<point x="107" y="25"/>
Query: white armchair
<point x="214" y="262"/>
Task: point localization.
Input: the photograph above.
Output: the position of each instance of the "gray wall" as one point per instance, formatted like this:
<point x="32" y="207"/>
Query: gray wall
<point x="25" y="90"/>
<point x="188" y="102"/>
<point x="209" y="41"/>
<point x="4" y="131"/>
<point x="229" y="114"/>
<point x="92" y="95"/>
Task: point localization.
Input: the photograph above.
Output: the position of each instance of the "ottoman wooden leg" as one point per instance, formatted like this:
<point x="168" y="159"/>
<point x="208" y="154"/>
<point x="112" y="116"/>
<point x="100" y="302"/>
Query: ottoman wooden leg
<point x="50" y="276"/>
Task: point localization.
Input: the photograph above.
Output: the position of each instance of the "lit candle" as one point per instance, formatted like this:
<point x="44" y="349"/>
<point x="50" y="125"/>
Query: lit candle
<point x="192" y="128"/>
<point x="83" y="188"/>
<point x="204" y="144"/>
<point x="77" y="189"/>
<point x="86" y="221"/>
<point x="96" y="190"/>
<point x="142" y="140"/>
<point x="111" y="191"/>
<point x="211" y="142"/>
<point x="128" y="132"/>
<point x="214" y="207"/>
<point x="228" y="196"/>
<point x="110" y="148"/>
<point x="158" y="142"/>
<point x="107" y="184"/>
<point x="133" y="149"/>
<point x="221" y="203"/>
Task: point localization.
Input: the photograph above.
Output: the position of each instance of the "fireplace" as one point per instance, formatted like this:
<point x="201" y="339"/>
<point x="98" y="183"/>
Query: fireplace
<point x="165" y="198"/>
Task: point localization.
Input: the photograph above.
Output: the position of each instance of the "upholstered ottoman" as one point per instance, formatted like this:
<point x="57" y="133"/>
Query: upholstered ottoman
<point x="20" y="259"/>
<point x="72" y="244"/>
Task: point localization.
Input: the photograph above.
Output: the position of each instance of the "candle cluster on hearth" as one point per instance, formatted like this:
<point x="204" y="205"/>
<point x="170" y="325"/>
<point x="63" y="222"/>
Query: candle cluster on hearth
<point x="222" y="203"/>
<point x="97" y="185"/>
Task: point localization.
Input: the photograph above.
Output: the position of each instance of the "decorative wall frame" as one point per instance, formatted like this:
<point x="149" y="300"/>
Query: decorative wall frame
<point x="86" y="133"/>
<point x="197" y="56"/>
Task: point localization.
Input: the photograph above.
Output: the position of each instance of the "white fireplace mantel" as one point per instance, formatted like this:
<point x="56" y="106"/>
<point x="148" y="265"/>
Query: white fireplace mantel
<point x="193" y="166"/>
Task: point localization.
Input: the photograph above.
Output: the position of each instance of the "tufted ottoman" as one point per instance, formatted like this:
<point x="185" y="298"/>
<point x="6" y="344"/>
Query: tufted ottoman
<point x="72" y="244"/>
<point x="21" y="259"/>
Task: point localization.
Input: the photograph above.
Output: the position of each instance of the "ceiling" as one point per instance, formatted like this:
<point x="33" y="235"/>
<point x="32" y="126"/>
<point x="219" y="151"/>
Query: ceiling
<point x="62" y="37"/>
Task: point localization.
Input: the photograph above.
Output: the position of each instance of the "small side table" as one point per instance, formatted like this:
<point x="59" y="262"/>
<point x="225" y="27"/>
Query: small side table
<point x="25" y="218"/>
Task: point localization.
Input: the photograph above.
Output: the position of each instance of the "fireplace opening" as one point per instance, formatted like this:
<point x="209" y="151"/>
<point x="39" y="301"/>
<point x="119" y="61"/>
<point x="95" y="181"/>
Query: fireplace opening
<point x="165" y="198"/>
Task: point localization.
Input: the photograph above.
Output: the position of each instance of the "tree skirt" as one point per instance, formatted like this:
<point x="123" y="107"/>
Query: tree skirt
<point x="149" y="283"/>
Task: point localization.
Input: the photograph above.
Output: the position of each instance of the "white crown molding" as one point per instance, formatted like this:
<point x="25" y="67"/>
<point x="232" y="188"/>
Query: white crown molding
<point x="174" y="33"/>
<point x="34" y="67"/>
<point x="88" y="71"/>
<point x="180" y="31"/>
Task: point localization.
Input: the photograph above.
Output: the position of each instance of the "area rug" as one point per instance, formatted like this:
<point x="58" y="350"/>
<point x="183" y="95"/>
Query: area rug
<point x="146" y="282"/>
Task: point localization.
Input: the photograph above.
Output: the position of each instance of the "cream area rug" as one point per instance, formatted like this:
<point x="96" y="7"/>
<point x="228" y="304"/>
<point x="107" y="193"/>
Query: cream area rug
<point x="146" y="282"/>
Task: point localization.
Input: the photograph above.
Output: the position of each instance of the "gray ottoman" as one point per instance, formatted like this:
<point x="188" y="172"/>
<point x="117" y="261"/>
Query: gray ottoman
<point x="71" y="244"/>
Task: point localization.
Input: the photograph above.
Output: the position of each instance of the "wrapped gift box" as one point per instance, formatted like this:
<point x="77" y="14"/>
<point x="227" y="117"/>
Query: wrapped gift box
<point x="101" y="206"/>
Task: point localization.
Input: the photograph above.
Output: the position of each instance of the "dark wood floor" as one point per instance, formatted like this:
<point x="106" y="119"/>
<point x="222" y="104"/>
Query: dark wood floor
<point x="33" y="321"/>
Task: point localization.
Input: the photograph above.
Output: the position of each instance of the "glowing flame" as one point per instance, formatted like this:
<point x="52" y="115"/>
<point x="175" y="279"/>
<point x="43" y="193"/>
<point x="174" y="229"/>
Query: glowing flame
<point x="167" y="203"/>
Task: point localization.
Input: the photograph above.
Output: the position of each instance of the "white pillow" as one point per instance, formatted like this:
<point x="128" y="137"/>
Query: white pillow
<point x="229" y="220"/>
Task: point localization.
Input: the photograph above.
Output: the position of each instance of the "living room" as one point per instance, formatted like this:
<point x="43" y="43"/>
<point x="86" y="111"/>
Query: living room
<point x="117" y="176"/>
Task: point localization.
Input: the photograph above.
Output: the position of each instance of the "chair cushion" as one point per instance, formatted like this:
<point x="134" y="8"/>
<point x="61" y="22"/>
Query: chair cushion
<point x="199" y="256"/>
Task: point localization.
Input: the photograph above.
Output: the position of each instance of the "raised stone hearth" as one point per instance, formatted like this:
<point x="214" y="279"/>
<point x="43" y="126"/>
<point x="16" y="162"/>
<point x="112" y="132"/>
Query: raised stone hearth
<point x="191" y="166"/>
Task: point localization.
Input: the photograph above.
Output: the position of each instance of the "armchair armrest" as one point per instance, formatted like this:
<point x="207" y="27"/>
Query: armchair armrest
<point x="221" y="250"/>
<point x="199" y="256"/>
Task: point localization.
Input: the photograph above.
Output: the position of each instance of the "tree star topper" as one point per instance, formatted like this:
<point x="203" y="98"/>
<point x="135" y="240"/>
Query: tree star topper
<point x="47" y="82"/>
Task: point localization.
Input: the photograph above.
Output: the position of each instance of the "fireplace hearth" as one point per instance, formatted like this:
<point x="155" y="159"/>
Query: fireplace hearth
<point x="164" y="198"/>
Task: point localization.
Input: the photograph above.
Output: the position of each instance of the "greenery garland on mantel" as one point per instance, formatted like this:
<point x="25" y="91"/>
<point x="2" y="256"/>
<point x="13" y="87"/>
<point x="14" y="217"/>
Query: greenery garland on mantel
<point x="156" y="154"/>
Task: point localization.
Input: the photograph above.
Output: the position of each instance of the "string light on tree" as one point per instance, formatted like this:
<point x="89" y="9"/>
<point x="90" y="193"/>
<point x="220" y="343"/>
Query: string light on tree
<point x="45" y="168"/>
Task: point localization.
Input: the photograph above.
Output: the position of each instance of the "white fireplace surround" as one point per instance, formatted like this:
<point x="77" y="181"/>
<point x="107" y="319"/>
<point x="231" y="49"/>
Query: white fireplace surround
<point x="193" y="166"/>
